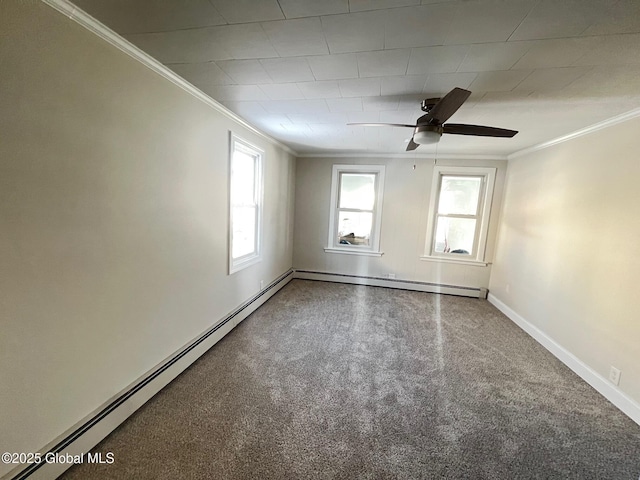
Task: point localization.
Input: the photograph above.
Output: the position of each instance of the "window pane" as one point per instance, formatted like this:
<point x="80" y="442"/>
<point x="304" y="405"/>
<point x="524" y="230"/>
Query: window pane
<point x="244" y="231"/>
<point x="354" y="228"/>
<point x="455" y="235"/>
<point x="242" y="179"/>
<point x="357" y="190"/>
<point x="459" y="195"/>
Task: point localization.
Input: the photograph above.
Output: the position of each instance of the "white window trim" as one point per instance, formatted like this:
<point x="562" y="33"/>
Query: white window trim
<point x="372" y="250"/>
<point x="235" y="265"/>
<point x="486" y="198"/>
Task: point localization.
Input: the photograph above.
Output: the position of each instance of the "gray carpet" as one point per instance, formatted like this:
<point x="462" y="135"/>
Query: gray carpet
<point x="334" y="381"/>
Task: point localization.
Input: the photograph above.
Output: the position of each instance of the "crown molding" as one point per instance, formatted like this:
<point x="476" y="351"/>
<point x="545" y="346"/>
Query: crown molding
<point x="407" y="156"/>
<point x="85" y="20"/>
<point x="94" y="26"/>
<point x="578" y="133"/>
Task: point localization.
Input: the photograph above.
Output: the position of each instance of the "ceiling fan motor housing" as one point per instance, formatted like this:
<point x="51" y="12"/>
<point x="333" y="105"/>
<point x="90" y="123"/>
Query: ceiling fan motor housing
<point x="428" y="103"/>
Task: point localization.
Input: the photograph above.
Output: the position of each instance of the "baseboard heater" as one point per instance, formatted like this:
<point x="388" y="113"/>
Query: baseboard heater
<point x="475" y="292"/>
<point x="93" y="429"/>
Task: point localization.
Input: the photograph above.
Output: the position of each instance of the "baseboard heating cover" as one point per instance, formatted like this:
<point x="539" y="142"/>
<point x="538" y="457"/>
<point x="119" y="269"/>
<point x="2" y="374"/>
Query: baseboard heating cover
<point x="96" y="426"/>
<point x="475" y="292"/>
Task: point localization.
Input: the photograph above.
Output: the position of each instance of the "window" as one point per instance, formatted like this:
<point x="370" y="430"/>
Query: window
<point x="245" y="202"/>
<point x="459" y="214"/>
<point x="356" y="209"/>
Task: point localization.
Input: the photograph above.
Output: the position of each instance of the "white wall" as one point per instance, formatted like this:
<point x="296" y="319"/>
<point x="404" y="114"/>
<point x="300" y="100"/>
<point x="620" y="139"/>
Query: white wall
<point x="404" y="222"/>
<point x="113" y="222"/>
<point x="569" y="248"/>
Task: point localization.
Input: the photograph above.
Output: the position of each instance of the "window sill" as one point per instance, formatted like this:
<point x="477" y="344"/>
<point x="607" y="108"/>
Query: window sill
<point x="244" y="263"/>
<point x="475" y="263"/>
<point x="348" y="251"/>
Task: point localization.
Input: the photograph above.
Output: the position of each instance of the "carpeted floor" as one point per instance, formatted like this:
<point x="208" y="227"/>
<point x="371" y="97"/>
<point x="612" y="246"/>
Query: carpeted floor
<point x="334" y="381"/>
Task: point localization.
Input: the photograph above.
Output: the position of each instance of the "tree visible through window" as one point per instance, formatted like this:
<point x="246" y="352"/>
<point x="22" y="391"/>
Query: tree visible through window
<point x="457" y="215"/>
<point x="459" y="212"/>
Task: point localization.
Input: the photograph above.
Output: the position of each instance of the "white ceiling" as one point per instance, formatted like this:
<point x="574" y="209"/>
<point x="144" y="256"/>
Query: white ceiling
<point x="301" y="69"/>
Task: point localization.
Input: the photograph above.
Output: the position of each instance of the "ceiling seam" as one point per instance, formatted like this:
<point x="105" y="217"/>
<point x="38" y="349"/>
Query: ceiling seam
<point x="523" y="79"/>
<point x="175" y="29"/>
<point x="217" y="11"/>
<point x="281" y="10"/>
<point x="574" y="41"/>
<point x="229" y="24"/>
<point x="590" y="68"/>
<point x="326" y="42"/>
<point x="522" y="21"/>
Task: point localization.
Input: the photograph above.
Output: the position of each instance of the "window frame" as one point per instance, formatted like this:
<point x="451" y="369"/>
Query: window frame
<point x="477" y="256"/>
<point x="237" y="143"/>
<point x="373" y="249"/>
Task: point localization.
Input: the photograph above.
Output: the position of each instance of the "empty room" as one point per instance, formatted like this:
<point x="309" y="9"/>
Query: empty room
<point x="330" y="239"/>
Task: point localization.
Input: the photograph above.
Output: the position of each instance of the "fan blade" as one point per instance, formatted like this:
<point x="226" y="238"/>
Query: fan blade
<point x="382" y="125"/>
<point x="412" y="145"/>
<point x="442" y="111"/>
<point x="477" y="130"/>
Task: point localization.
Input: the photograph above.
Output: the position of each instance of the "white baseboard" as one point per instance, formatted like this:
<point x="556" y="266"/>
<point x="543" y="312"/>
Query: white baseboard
<point x="91" y="430"/>
<point x="390" y="283"/>
<point x="612" y="393"/>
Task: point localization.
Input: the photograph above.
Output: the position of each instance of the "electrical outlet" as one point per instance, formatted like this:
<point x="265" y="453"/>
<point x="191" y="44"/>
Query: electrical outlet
<point x="391" y="275"/>
<point x="507" y="287"/>
<point x="614" y="375"/>
<point x="261" y="284"/>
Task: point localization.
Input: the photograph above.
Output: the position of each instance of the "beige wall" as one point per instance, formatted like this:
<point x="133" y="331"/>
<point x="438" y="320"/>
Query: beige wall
<point x="569" y="248"/>
<point x="404" y="222"/>
<point x="113" y="222"/>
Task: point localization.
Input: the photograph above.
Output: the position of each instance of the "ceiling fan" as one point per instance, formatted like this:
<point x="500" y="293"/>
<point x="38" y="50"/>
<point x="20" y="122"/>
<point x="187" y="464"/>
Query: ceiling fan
<point x="430" y="126"/>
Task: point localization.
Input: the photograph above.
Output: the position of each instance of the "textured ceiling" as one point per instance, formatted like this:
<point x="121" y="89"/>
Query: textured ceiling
<point x="301" y="69"/>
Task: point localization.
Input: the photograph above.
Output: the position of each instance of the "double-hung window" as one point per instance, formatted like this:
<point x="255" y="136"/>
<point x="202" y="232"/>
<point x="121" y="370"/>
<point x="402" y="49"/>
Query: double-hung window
<point x="356" y="209"/>
<point x="459" y="213"/>
<point x="245" y="201"/>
